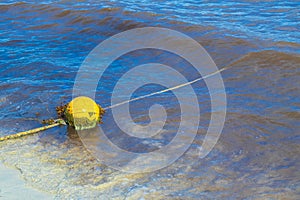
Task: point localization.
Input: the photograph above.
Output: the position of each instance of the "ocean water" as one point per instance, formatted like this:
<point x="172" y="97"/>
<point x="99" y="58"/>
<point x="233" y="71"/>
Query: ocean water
<point x="42" y="45"/>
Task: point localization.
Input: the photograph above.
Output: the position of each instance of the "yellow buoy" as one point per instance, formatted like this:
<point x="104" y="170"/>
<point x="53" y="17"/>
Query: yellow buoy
<point x="83" y="113"/>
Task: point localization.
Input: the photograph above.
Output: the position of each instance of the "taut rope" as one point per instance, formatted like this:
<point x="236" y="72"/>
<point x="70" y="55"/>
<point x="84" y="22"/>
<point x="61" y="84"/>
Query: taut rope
<point x="166" y="90"/>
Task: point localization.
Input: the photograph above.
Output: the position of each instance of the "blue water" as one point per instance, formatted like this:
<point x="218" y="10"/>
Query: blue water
<point x="43" y="43"/>
<point x="268" y="20"/>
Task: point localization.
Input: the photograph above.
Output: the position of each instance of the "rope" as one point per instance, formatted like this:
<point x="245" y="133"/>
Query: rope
<point x="166" y="90"/>
<point x="62" y="122"/>
<point x="32" y="131"/>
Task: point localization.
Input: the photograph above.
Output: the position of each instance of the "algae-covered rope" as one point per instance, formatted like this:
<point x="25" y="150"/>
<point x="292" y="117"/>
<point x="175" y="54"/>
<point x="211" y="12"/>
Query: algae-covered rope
<point x="32" y="131"/>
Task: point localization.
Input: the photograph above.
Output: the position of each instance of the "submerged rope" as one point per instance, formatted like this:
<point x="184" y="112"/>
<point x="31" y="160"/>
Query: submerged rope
<point x="62" y="122"/>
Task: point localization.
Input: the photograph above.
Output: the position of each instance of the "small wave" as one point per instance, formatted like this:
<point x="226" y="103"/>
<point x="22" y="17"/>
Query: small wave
<point x="6" y="7"/>
<point x="269" y="58"/>
<point x="41" y="27"/>
<point x="287" y="44"/>
<point x="64" y="13"/>
<point x="11" y="43"/>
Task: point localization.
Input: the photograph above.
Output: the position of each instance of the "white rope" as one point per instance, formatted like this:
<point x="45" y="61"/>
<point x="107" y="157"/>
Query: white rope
<point x="166" y="90"/>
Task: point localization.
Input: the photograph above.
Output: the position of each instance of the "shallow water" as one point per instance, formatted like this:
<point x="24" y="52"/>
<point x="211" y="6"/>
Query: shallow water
<point x="257" y="156"/>
<point x="14" y="186"/>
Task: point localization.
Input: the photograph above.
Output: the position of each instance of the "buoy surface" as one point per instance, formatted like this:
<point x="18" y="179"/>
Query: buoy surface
<point x="83" y="113"/>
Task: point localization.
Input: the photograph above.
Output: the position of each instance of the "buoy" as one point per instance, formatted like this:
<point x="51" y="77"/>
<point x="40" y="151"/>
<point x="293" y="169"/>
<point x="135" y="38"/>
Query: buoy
<point x="83" y="113"/>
